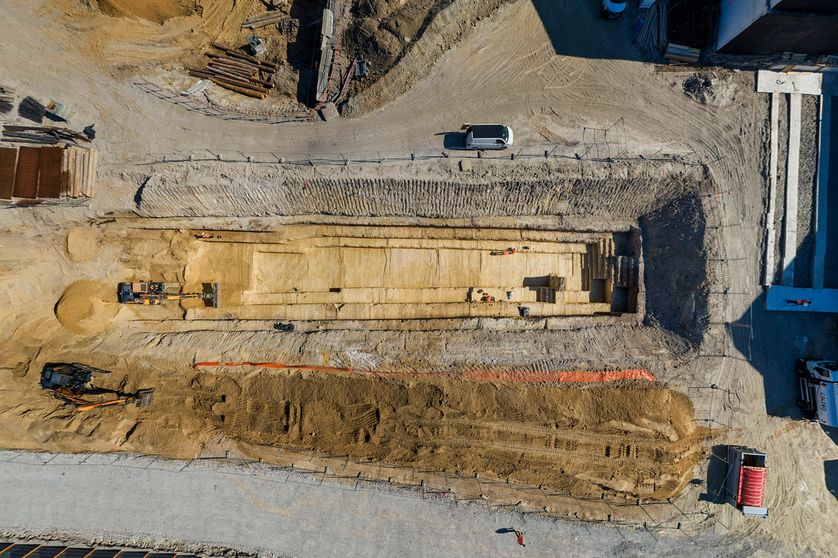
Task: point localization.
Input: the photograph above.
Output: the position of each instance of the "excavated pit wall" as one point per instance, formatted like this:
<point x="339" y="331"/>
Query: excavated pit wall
<point x="667" y="200"/>
<point x="578" y="195"/>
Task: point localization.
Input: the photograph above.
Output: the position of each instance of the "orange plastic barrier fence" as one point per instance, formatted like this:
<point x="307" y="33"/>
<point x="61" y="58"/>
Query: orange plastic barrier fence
<point x="562" y="376"/>
<point x="530" y="376"/>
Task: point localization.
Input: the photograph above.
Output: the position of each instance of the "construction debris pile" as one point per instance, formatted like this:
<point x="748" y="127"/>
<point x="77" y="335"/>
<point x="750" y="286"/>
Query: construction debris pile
<point x="653" y="33"/>
<point x="48" y="135"/>
<point x="270" y="18"/>
<point x="239" y="72"/>
<point x="7" y="99"/>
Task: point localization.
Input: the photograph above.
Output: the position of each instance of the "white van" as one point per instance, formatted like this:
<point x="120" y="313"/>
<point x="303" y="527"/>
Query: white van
<point x="819" y="390"/>
<point x="488" y="136"/>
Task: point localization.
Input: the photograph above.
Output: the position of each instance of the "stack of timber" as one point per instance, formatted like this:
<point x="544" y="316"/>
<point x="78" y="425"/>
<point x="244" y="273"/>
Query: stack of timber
<point x="7" y="99"/>
<point x="78" y="172"/>
<point x="255" y="22"/>
<point x="681" y="53"/>
<point x="33" y="173"/>
<point x="654" y="35"/>
<point x="236" y="71"/>
<point x="47" y="135"/>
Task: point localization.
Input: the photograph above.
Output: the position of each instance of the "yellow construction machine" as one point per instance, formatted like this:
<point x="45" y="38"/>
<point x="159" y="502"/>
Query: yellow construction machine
<point x="71" y="382"/>
<point x="153" y="292"/>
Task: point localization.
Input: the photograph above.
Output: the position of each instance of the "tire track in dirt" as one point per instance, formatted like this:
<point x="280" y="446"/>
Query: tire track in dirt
<point x="608" y="193"/>
<point x="630" y="439"/>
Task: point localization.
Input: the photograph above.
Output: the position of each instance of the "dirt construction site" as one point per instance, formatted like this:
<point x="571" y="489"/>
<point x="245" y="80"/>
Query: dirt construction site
<point x="560" y="338"/>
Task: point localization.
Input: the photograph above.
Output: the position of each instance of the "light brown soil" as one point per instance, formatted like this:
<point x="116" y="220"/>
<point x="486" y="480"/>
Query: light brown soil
<point x="157" y="11"/>
<point x="515" y="74"/>
<point x="87" y="307"/>
<point x="637" y="440"/>
<point x="82" y="244"/>
<point x="383" y="29"/>
<point x="139" y="32"/>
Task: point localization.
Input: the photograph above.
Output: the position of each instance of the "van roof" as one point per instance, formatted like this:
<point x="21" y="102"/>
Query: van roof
<point x="489" y="131"/>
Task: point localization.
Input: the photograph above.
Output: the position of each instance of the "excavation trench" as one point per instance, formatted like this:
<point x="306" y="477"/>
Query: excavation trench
<point x="636" y="439"/>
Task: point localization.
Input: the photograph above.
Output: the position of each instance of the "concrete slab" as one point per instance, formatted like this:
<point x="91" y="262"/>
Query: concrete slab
<point x="792" y="175"/>
<point x="781" y="297"/>
<point x="822" y="185"/>
<point x="781" y="82"/>
<point x="329" y="112"/>
<point x="768" y="276"/>
<point x="273" y="516"/>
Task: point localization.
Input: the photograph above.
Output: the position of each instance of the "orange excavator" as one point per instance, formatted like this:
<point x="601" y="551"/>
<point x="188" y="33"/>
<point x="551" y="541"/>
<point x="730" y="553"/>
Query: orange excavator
<point x="153" y="293"/>
<point x="71" y="382"/>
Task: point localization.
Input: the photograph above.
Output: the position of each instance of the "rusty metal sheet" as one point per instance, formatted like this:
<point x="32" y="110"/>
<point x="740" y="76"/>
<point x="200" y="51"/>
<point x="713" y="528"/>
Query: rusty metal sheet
<point x="8" y="166"/>
<point x="49" y="181"/>
<point x="26" y="180"/>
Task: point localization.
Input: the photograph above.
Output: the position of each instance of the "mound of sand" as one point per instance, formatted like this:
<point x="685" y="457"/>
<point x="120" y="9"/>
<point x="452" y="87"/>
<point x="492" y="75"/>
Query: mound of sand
<point x="87" y="307"/>
<point x="157" y="11"/>
<point x="139" y="32"/>
<point x="82" y="244"/>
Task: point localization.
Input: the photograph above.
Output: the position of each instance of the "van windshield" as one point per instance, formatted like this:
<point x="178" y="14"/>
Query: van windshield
<point x="489" y="131"/>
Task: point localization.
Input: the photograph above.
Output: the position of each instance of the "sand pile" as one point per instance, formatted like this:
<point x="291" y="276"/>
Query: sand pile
<point x="87" y="307"/>
<point x="82" y="244"/>
<point x="138" y="32"/>
<point x="157" y="11"/>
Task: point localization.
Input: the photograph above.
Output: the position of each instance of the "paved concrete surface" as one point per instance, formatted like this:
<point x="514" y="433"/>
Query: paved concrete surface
<point x="269" y="511"/>
<point x="820" y="300"/>
<point x="805" y="83"/>
<point x="822" y="202"/>
<point x="768" y="276"/>
<point x="829" y="175"/>
<point x="790" y="234"/>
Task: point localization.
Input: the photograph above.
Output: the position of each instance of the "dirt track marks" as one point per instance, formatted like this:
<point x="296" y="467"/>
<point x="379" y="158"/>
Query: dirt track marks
<point x="638" y="440"/>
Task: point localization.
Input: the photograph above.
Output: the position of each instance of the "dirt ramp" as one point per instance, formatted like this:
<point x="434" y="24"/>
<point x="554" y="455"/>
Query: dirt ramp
<point x="87" y="307"/>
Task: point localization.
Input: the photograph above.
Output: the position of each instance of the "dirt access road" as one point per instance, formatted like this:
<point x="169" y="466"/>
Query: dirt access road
<point x="524" y="66"/>
<point x="513" y="74"/>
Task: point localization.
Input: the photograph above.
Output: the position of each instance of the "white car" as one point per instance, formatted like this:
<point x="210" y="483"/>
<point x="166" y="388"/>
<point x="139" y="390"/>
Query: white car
<point x="488" y="136"/>
<point x="612" y="9"/>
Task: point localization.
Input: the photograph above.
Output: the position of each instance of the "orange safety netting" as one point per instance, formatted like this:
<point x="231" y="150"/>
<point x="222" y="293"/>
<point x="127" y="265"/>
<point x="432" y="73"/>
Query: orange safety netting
<point x="530" y="376"/>
<point x="562" y="376"/>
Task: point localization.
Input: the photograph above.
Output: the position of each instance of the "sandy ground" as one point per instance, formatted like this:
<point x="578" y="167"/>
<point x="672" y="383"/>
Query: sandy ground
<point x="524" y="66"/>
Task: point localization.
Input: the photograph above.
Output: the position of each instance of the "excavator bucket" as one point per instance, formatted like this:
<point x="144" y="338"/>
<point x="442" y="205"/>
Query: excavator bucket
<point x="143" y="398"/>
<point x="211" y="294"/>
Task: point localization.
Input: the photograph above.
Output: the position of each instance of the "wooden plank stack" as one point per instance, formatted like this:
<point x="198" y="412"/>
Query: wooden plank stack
<point x="654" y="34"/>
<point x="8" y="167"/>
<point x="7" y="99"/>
<point x="236" y="71"/>
<point x="32" y="173"/>
<point x="49" y="135"/>
<point x="254" y="22"/>
<point x="682" y="53"/>
<point x="78" y="172"/>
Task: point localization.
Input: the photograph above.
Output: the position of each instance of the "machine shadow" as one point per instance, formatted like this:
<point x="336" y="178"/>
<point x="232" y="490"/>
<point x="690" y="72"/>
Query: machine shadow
<point x="716" y="476"/>
<point x="576" y="29"/>
<point x="830" y="476"/>
<point x="773" y="341"/>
